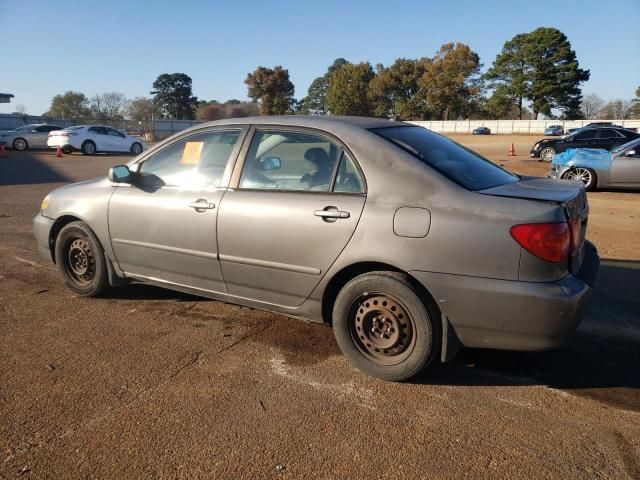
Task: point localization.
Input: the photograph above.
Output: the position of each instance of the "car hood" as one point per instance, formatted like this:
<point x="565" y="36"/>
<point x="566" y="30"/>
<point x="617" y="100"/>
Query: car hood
<point x="586" y="157"/>
<point x="536" y="188"/>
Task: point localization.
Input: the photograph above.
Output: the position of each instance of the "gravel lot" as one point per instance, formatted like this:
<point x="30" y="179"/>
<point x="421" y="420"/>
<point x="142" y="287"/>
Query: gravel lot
<point x="149" y="383"/>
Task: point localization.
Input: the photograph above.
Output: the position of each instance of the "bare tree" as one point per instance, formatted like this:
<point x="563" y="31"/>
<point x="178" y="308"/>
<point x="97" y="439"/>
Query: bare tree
<point x="617" y="109"/>
<point x="142" y="110"/>
<point x="591" y="105"/>
<point x="21" y="110"/>
<point x="113" y="105"/>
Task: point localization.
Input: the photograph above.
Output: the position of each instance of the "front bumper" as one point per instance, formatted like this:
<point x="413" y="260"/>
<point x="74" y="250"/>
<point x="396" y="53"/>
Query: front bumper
<point x="41" y="231"/>
<point x="513" y="315"/>
<point x="557" y="171"/>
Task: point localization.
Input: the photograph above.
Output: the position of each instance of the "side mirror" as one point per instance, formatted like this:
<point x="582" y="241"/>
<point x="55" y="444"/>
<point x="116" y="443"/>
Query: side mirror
<point x="120" y="174"/>
<point x="630" y="153"/>
<point x="270" y="163"/>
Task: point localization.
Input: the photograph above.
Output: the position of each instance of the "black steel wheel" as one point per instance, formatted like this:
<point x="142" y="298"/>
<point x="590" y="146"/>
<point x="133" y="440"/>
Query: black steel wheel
<point x="385" y="326"/>
<point x="80" y="259"/>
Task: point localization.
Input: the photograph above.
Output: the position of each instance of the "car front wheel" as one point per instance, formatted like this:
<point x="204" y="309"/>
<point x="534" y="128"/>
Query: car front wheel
<point x="385" y="327"/>
<point x="20" y="144"/>
<point x="136" y="148"/>
<point x="584" y="175"/>
<point x="80" y="260"/>
<point x="547" y="154"/>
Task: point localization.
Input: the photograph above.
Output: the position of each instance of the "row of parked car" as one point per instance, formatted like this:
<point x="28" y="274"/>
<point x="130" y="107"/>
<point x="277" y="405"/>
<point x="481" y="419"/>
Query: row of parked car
<point x="88" y="139"/>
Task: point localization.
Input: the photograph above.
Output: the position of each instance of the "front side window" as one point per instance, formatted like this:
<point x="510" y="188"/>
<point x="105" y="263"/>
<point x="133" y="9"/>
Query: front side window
<point x="196" y="161"/>
<point x="97" y="130"/>
<point x="114" y="133"/>
<point x="281" y="160"/>
<point x="461" y="165"/>
<point x="586" y="135"/>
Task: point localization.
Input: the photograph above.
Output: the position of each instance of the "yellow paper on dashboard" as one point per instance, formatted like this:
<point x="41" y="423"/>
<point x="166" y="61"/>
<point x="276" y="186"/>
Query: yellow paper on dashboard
<point x="191" y="153"/>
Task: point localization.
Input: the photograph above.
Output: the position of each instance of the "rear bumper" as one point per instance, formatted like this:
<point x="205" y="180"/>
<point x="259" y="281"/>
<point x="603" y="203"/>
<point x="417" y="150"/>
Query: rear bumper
<point x="513" y="315"/>
<point x="41" y="231"/>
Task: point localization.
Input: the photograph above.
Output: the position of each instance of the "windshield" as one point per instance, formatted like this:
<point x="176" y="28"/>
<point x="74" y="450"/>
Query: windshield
<point x="633" y="143"/>
<point x="458" y="163"/>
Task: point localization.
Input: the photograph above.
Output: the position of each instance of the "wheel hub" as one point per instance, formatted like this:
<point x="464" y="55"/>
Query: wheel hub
<point x="383" y="328"/>
<point x="80" y="260"/>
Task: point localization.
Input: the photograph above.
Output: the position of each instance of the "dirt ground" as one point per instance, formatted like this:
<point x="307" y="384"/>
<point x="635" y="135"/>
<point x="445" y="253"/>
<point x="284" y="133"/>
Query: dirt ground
<point x="148" y="383"/>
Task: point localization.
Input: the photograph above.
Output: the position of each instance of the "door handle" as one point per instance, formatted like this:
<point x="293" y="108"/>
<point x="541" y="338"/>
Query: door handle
<point x="201" y="205"/>
<point x="331" y="214"/>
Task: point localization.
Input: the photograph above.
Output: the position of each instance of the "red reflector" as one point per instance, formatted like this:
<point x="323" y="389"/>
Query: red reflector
<point x="548" y="241"/>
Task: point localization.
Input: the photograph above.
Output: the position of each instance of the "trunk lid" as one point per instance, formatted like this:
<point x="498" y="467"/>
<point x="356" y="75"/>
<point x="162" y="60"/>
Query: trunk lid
<point x="568" y="195"/>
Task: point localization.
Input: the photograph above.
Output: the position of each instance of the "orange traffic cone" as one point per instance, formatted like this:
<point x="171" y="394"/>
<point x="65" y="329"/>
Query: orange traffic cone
<point x="512" y="151"/>
<point x="59" y="152"/>
<point x="3" y="152"/>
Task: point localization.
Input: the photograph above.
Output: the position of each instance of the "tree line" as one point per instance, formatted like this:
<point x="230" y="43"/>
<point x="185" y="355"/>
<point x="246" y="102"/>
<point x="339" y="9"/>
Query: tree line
<point x="535" y="73"/>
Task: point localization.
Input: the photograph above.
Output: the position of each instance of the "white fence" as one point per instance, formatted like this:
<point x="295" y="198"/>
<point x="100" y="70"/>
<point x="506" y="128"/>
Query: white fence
<point x="513" y="126"/>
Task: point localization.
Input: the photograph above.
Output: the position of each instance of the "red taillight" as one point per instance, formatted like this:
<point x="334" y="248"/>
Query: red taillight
<point x="548" y="241"/>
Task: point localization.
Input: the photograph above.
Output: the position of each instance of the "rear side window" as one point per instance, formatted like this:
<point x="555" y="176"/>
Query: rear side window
<point x="609" y="133"/>
<point x="289" y="160"/>
<point x="458" y="163"/>
<point x="348" y="179"/>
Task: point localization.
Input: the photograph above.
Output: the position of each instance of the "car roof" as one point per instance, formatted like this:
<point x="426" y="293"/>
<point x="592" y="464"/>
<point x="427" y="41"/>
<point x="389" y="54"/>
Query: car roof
<point x="328" y="122"/>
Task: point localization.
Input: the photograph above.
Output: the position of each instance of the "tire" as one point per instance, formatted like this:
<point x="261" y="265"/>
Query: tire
<point x="136" y="148"/>
<point x="20" y="144"/>
<point x="547" y="154"/>
<point x="88" y="148"/>
<point x="80" y="260"/>
<point x="584" y="175"/>
<point x="67" y="150"/>
<point x="384" y="327"/>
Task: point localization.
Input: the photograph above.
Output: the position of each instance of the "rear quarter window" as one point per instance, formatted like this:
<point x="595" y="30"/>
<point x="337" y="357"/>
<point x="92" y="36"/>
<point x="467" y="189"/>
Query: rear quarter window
<point x="461" y="165"/>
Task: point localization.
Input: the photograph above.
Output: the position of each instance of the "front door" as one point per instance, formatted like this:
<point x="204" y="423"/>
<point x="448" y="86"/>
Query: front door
<point x="298" y="201"/>
<point x="117" y="141"/>
<point x="163" y="226"/>
<point x="625" y="168"/>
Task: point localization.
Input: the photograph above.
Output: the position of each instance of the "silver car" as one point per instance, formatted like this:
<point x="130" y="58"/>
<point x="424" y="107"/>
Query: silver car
<point x="28" y="136"/>
<point x="619" y="168"/>
<point x="408" y="244"/>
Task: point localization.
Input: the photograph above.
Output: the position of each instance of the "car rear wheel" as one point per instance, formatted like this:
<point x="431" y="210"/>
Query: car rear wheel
<point x="67" y="150"/>
<point x="584" y="175"/>
<point x="80" y="259"/>
<point x="20" y="144"/>
<point x="547" y="154"/>
<point x="384" y="327"/>
<point x="88" y="148"/>
<point x="136" y="148"/>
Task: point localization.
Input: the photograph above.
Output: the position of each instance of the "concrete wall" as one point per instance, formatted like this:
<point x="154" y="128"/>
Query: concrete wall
<point x="512" y="126"/>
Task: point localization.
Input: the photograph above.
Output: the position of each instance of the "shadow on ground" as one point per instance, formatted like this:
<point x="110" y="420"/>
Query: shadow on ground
<point x="601" y="359"/>
<point x="22" y="168"/>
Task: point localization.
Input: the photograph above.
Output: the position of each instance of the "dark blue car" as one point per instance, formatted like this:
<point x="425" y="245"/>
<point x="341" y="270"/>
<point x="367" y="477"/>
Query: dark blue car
<point x="554" y="130"/>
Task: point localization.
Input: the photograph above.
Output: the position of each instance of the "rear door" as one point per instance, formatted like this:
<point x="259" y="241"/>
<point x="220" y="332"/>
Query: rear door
<point x="163" y="226"/>
<point x="98" y="135"/>
<point x="298" y="200"/>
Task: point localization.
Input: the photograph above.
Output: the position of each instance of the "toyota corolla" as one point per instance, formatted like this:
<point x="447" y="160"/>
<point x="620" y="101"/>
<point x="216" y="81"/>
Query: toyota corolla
<point x="407" y="243"/>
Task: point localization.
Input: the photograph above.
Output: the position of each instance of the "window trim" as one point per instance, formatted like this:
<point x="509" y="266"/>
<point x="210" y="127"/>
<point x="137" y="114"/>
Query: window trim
<point x="233" y="156"/>
<point x="237" y="172"/>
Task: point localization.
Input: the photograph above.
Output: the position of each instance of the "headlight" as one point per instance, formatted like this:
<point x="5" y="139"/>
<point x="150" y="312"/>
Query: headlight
<point x="44" y="204"/>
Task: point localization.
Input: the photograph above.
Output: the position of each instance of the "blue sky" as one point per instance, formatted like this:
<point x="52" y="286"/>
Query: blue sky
<point x="47" y="47"/>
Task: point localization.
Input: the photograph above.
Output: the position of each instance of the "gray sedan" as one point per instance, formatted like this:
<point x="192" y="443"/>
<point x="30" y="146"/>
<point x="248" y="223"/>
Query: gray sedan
<point x="408" y="244"/>
<point x="619" y="168"/>
<point x="28" y="136"/>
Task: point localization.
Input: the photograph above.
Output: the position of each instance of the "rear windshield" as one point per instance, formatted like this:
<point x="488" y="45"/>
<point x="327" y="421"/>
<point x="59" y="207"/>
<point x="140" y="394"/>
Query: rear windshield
<point x="458" y="163"/>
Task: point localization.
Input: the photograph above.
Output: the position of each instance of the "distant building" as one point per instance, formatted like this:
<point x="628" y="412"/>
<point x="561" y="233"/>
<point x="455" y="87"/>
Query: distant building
<point x="5" y="97"/>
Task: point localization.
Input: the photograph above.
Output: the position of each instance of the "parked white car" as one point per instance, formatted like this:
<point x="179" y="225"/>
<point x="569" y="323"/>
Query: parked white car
<point x="91" y="139"/>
